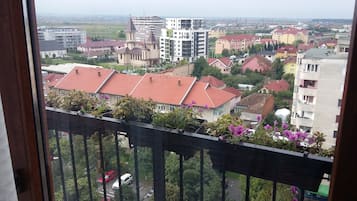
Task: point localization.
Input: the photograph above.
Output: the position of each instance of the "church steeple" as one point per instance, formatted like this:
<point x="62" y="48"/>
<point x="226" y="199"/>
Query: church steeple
<point x="130" y="34"/>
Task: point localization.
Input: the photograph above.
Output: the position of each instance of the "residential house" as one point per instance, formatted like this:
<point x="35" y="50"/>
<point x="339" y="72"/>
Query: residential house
<point x="67" y="37"/>
<point x="105" y="47"/>
<point x="290" y="65"/>
<point x="136" y="53"/>
<point x="213" y="81"/>
<point x="51" y="49"/>
<point x="275" y="86"/>
<point x="257" y="63"/>
<point x="235" y="42"/>
<point x="212" y="102"/>
<point x="286" y="51"/>
<point x="217" y="32"/>
<point x="224" y="64"/>
<point x="166" y="91"/>
<point x="290" y="35"/>
<point x="255" y="106"/>
<point x="305" y="47"/>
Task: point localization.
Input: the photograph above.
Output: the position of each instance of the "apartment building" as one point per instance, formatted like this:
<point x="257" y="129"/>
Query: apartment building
<point x="318" y="91"/>
<point x="147" y="24"/>
<point x="68" y="37"/>
<point x="239" y="42"/>
<point x="183" y="39"/>
<point x="290" y="35"/>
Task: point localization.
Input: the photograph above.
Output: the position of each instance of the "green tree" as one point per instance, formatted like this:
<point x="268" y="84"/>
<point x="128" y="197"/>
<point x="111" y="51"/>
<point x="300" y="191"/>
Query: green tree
<point x="199" y="65"/>
<point x="236" y="69"/>
<point x="213" y="71"/>
<point x="225" y="53"/>
<point x="121" y="34"/>
<point x="298" y="42"/>
<point x="277" y="69"/>
<point x="128" y="193"/>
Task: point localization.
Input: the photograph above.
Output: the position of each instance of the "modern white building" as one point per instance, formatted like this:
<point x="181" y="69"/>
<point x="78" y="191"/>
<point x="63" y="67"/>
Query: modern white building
<point x="145" y="25"/>
<point x="319" y="85"/>
<point x="67" y="37"/>
<point x="183" y="39"/>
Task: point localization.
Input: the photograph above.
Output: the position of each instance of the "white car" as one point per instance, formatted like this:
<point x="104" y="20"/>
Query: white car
<point x="125" y="179"/>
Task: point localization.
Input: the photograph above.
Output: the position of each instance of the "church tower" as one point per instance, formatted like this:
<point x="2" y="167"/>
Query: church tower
<point x="130" y="34"/>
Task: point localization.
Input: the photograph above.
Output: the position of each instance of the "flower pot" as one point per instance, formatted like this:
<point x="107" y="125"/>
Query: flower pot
<point x="269" y="163"/>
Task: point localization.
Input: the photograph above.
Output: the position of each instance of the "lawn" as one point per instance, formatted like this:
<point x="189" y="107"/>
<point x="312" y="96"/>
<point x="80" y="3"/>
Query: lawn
<point x="107" y="31"/>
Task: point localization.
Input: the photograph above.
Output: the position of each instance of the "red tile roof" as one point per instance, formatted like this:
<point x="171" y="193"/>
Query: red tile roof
<point x="206" y="96"/>
<point x="213" y="81"/>
<point x="104" y="43"/>
<point x="120" y="84"/>
<point x="277" y="85"/>
<point x="233" y="91"/>
<point x="225" y="60"/>
<point x="289" y="49"/>
<point x="163" y="88"/>
<point x="290" y="60"/>
<point x="257" y="63"/>
<point x="85" y="79"/>
<point x="51" y="79"/>
<point x="239" y="37"/>
<point x="305" y="47"/>
<point x="290" y="31"/>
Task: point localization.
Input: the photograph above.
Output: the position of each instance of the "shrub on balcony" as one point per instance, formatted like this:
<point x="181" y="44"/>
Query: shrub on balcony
<point x="132" y="109"/>
<point x="180" y="118"/>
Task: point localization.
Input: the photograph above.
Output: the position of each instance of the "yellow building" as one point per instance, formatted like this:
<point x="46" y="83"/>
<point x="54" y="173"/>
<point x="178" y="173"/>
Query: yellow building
<point x="290" y="66"/>
<point x="290" y="35"/>
<point x="216" y="33"/>
<point x="285" y="52"/>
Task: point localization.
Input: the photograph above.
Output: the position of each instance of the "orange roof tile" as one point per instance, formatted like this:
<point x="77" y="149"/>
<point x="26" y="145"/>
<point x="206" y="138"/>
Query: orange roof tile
<point x="233" y="91"/>
<point x="213" y="81"/>
<point x="206" y="96"/>
<point x="225" y="60"/>
<point x="163" y="88"/>
<point x="85" y="79"/>
<point x="257" y="63"/>
<point x="120" y="84"/>
<point x="277" y="85"/>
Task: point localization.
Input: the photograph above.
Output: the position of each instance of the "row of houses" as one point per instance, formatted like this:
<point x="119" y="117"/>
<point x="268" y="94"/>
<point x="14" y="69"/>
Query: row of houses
<point x="166" y="91"/>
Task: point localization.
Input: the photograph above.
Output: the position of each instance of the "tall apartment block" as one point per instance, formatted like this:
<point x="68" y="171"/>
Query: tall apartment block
<point x="183" y="39"/>
<point x="319" y="85"/>
<point x="145" y="25"/>
<point x="67" y="37"/>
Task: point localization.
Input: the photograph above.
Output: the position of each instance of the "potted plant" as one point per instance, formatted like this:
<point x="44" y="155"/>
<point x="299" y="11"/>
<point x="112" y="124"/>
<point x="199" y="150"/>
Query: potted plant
<point x="287" y="156"/>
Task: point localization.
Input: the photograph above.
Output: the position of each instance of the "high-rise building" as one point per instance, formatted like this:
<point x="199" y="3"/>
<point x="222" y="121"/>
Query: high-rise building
<point x="147" y="25"/>
<point x="67" y="37"/>
<point x="183" y="39"/>
<point x="319" y="84"/>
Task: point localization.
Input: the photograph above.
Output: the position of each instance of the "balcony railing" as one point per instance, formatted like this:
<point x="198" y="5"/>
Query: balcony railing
<point x="278" y="166"/>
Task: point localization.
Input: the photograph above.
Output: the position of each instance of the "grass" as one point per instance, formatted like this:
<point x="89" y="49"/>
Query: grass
<point x="107" y="31"/>
<point x="232" y="175"/>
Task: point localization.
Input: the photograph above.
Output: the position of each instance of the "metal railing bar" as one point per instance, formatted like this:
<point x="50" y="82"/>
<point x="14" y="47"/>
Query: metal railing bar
<point x="73" y="164"/>
<point x="223" y="184"/>
<point x="102" y="165"/>
<point x="88" y="169"/>
<point x="181" y="177"/>
<point x="136" y="173"/>
<point x="247" y="187"/>
<point x="201" y="174"/>
<point x="274" y="191"/>
<point x="61" y="166"/>
<point x="118" y="165"/>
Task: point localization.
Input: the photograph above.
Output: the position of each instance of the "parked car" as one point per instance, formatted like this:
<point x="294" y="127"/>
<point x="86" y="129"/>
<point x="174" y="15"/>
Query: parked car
<point x="109" y="176"/>
<point x="125" y="179"/>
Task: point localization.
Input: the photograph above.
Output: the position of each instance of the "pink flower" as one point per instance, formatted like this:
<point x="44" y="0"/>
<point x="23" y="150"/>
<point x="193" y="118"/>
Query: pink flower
<point x="287" y="133"/>
<point x="285" y="126"/>
<point x="206" y="106"/>
<point x="193" y="102"/>
<point x="275" y="123"/>
<point x="267" y="127"/>
<point x="231" y="128"/>
<point x="294" y="190"/>
<point x="311" y="140"/>
<point x="259" y="118"/>
<point x="295" y="199"/>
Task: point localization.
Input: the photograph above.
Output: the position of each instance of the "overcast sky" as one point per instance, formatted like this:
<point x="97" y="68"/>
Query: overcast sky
<point x="201" y="8"/>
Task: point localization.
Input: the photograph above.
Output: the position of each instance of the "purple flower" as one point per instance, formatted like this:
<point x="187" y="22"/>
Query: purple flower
<point x="287" y="133"/>
<point x="275" y="123"/>
<point x="311" y="140"/>
<point x="285" y="126"/>
<point x="294" y="190"/>
<point x="301" y="135"/>
<point x="206" y="106"/>
<point x="231" y="128"/>
<point x="295" y="199"/>
<point x="239" y="130"/>
<point x="267" y="127"/>
<point x="259" y="118"/>
<point x="292" y="137"/>
<point x="193" y="102"/>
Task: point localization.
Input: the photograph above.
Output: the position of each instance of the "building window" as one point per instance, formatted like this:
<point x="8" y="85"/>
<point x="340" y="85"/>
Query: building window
<point x="339" y="102"/>
<point x="334" y="134"/>
<point x="337" y="118"/>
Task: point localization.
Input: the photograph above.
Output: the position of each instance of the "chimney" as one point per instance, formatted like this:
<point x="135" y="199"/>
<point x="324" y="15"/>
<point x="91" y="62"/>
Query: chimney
<point x="77" y="72"/>
<point x="99" y="74"/>
<point x="179" y="82"/>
